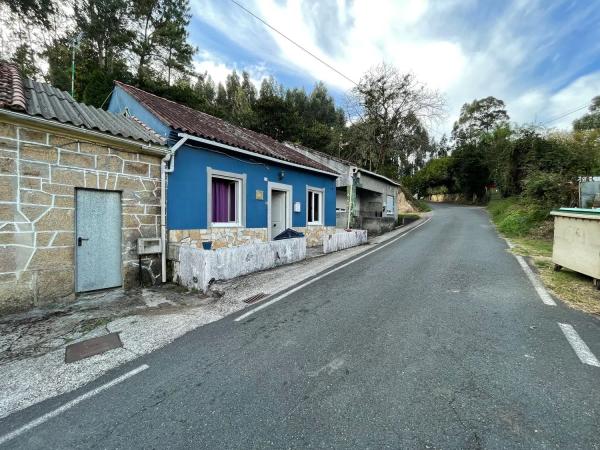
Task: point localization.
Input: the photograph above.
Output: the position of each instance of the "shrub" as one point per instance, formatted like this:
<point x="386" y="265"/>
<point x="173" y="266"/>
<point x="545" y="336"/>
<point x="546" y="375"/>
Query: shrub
<point x="548" y="189"/>
<point x="515" y="217"/>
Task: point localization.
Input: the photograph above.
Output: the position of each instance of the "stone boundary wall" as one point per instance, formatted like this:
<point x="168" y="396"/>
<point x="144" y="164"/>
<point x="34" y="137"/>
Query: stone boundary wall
<point x="228" y="237"/>
<point x="195" y="268"/>
<point x="39" y="172"/>
<point x="344" y="239"/>
<point x="375" y="225"/>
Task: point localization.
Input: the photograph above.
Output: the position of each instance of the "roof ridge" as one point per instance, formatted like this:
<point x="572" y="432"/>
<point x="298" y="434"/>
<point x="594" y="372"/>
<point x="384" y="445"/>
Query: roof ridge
<point x="196" y="111"/>
<point x="185" y="119"/>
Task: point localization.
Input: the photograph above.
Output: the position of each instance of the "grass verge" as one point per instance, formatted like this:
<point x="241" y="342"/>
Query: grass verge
<point x="531" y="233"/>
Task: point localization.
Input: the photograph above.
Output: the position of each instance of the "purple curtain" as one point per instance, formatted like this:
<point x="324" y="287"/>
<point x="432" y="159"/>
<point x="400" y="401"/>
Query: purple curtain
<point x="223" y="201"/>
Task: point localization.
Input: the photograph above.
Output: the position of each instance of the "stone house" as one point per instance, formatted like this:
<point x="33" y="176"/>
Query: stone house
<point x="78" y="187"/>
<point x="228" y="186"/>
<point x="364" y="199"/>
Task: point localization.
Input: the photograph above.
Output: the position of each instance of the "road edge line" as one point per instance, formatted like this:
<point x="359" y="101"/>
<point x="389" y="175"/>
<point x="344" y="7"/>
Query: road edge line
<point x="578" y="345"/>
<point x="326" y="273"/>
<point x="49" y="415"/>
<point x="535" y="281"/>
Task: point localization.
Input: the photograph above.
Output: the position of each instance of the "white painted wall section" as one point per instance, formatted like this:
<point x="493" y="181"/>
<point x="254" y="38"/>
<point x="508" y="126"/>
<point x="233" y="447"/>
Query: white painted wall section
<point x="344" y="239"/>
<point x="196" y="267"/>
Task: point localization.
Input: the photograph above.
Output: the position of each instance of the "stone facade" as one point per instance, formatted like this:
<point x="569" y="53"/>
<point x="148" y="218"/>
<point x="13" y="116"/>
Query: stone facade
<point x="39" y="172"/>
<point x="227" y="237"/>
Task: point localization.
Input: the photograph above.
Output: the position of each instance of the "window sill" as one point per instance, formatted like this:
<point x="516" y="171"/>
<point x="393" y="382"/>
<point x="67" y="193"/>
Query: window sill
<point x="314" y="224"/>
<point x="226" y="225"/>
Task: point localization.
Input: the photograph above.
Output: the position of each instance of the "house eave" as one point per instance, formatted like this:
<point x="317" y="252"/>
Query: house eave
<point x="52" y="126"/>
<point x="255" y="155"/>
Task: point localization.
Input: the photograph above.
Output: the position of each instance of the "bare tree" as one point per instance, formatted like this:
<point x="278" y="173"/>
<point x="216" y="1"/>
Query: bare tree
<point x="392" y="111"/>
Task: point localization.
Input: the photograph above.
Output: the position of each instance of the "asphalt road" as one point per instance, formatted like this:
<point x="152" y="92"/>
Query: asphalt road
<point x="436" y="341"/>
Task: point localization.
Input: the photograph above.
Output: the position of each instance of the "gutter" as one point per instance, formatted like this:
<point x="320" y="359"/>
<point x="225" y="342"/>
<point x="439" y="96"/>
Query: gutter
<point x="51" y="126"/>
<point x="254" y="154"/>
<point x="167" y="165"/>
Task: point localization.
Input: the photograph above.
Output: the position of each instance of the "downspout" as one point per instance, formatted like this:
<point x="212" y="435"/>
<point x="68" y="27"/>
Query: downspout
<point x="350" y="196"/>
<point x="167" y="165"/>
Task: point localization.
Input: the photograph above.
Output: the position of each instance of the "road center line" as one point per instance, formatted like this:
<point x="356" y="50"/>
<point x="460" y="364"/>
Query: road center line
<point x="40" y="420"/>
<point x="581" y="349"/>
<point x="539" y="288"/>
<point x="317" y="278"/>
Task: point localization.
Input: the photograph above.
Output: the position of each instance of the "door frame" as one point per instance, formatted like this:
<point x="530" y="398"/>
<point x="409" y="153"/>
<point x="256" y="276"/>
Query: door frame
<point x="271" y="186"/>
<point x="120" y="192"/>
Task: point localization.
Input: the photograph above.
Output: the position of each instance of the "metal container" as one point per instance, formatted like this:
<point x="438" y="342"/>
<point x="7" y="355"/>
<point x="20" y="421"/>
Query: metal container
<point x="577" y="241"/>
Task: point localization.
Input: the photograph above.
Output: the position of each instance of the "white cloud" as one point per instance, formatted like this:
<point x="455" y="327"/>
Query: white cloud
<point x="218" y="69"/>
<point x="464" y="62"/>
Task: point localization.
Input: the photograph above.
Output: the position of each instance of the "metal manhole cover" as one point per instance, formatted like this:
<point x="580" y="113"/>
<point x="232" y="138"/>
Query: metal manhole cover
<point x="255" y="298"/>
<point x="91" y="347"/>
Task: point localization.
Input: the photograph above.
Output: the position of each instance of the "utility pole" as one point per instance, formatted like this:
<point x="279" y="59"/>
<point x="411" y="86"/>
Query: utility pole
<point x="75" y="44"/>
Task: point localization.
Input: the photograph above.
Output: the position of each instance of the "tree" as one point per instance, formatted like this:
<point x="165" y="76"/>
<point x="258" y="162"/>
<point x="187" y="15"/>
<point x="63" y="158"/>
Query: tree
<point x="389" y="105"/>
<point x="160" y="37"/>
<point x="590" y="121"/>
<point x="24" y="59"/>
<point x="36" y="11"/>
<point x="477" y="118"/>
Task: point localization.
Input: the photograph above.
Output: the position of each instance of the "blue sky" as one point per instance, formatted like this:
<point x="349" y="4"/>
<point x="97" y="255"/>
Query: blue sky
<point x="541" y="57"/>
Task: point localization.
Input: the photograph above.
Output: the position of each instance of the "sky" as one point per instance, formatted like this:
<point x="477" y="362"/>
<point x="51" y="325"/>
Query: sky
<point x="542" y="57"/>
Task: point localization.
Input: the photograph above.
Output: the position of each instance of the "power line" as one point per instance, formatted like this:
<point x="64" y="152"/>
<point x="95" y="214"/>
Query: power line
<point x="294" y="42"/>
<point x="565" y="114"/>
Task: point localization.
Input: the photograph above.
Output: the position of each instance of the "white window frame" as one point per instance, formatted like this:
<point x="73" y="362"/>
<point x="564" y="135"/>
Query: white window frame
<point x="390" y="212"/>
<point x="271" y="186"/>
<point x="240" y="179"/>
<point x="321" y="193"/>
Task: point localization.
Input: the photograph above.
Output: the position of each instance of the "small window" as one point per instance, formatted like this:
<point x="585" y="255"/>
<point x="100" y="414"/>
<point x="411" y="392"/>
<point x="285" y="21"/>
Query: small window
<point x="314" y="207"/>
<point x="389" y="207"/>
<point x="225" y="201"/>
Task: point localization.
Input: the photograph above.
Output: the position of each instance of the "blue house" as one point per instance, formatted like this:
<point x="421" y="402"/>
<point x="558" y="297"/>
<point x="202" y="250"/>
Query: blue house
<point x="229" y="185"/>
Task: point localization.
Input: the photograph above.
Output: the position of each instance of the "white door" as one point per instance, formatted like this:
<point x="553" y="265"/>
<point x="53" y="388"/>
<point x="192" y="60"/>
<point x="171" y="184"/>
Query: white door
<point x="278" y="212"/>
<point x="98" y="240"/>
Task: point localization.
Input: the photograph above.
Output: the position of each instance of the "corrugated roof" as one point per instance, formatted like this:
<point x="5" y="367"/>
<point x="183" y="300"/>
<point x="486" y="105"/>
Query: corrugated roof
<point x="342" y="161"/>
<point x="44" y="100"/>
<point x="197" y="123"/>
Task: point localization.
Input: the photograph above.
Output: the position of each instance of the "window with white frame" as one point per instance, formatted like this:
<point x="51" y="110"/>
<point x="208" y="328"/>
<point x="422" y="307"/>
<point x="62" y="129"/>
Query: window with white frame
<point x="389" y="207"/>
<point x="226" y="201"/>
<point x="314" y="206"/>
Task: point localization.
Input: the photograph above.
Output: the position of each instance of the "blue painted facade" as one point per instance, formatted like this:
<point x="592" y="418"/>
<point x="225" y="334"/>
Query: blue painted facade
<point x="187" y="189"/>
<point x="187" y="185"/>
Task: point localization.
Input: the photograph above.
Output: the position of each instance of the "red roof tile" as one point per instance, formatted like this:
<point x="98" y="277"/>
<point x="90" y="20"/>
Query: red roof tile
<point x="12" y="94"/>
<point x="187" y="120"/>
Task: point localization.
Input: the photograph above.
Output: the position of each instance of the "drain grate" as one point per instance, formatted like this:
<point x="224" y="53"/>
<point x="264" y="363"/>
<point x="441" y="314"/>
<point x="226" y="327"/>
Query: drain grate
<point x="91" y="347"/>
<point x="255" y="298"/>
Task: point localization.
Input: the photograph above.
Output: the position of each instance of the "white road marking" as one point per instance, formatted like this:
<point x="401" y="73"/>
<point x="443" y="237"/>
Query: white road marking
<point x="311" y="281"/>
<point x="40" y="420"/>
<point x="581" y="349"/>
<point x="539" y="288"/>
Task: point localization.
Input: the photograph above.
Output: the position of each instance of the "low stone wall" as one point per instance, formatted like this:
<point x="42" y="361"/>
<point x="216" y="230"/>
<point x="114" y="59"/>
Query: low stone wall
<point x="446" y="198"/>
<point x="228" y="237"/>
<point x="314" y="234"/>
<point x="39" y="173"/>
<point x="223" y="237"/>
<point x="375" y="225"/>
<point x="195" y="268"/>
<point x="344" y="239"/>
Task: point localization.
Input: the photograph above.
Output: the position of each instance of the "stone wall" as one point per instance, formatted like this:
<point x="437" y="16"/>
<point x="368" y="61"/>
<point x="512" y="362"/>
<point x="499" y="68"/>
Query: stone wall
<point x="375" y="225"/>
<point x="221" y="237"/>
<point x="39" y="173"/>
<point x="195" y="268"/>
<point x="228" y="237"/>
<point x="314" y="234"/>
<point x="344" y="239"/>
